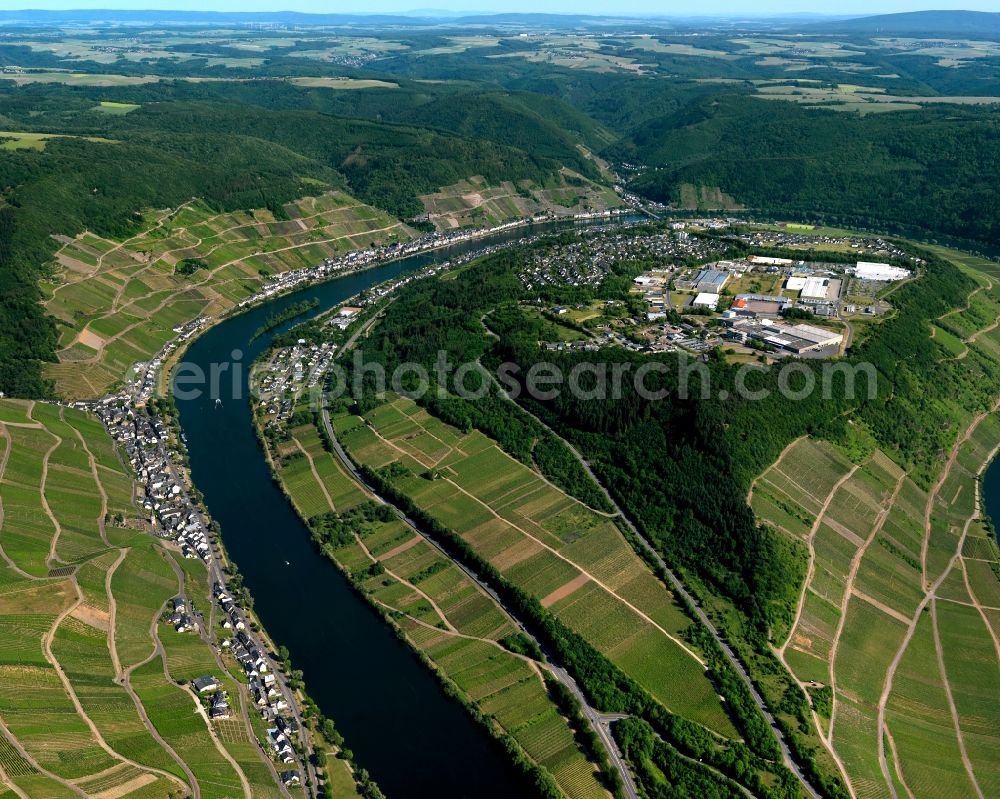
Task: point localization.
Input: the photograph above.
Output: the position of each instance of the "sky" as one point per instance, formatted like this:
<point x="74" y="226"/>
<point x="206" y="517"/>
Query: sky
<point x="602" y="7"/>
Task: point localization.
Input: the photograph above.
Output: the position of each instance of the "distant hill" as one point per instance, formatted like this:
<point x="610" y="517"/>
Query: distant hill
<point x="160" y="17"/>
<point x="979" y="24"/>
<point x="423" y="17"/>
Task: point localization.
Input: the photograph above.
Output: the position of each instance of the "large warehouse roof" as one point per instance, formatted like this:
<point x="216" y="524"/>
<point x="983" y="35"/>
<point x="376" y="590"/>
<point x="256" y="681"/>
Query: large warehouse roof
<point x="815" y="288"/>
<point x="880" y="272"/>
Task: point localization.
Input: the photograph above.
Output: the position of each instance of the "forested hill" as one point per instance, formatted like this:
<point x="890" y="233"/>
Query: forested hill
<point x="386" y="165"/>
<point x="108" y="168"/>
<point x="544" y="126"/>
<point x="75" y="184"/>
<point x="933" y="173"/>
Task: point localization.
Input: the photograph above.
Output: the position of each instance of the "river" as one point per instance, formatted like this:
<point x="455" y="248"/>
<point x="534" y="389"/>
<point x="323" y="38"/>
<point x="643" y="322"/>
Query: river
<point x="403" y="728"/>
<point x="991" y="491"/>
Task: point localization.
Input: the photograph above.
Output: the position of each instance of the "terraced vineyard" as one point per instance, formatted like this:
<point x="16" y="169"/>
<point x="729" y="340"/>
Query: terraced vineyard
<point x="92" y="700"/>
<point x="474" y="202"/>
<point x="573" y="559"/>
<point x="443" y="613"/>
<point x="897" y="634"/>
<point x="118" y="301"/>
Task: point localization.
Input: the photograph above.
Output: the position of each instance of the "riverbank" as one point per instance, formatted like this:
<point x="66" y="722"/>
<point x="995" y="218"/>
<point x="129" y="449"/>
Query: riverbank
<point x="393" y="713"/>
<point x="153" y="379"/>
<point x="379" y="568"/>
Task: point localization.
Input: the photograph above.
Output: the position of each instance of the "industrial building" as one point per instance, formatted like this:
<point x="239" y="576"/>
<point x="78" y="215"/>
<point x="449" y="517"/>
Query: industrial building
<point x="763" y="260"/>
<point x="760" y="304"/>
<point x="711" y="281"/>
<point x="881" y="273"/>
<point x="797" y="339"/>
<point x="706" y="299"/>
<point x="816" y="288"/>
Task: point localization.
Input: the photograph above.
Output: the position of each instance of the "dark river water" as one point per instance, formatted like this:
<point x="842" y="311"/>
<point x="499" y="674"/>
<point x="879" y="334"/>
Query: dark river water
<point x="991" y="491"/>
<point x="413" y="739"/>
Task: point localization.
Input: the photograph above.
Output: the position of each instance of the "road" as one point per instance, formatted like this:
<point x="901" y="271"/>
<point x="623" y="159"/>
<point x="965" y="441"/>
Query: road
<point x="848" y="327"/>
<point x="593" y="716"/>
<point x="599" y="723"/>
<point x="216" y="574"/>
<point x="678" y="587"/>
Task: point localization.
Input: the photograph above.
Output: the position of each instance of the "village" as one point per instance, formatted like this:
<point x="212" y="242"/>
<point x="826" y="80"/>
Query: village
<point x="142" y="380"/>
<point x="590" y="259"/>
<point x="281" y="380"/>
<point x="153" y="452"/>
<point x="363" y="259"/>
<point x="786" y="236"/>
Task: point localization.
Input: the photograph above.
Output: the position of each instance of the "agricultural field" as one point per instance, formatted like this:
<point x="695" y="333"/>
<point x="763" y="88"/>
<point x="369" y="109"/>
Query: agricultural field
<point x="474" y="203"/>
<point x="441" y="611"/>
<point x="862" y="99"/>
<point x="117" y="302"/>
<point x="950" y="53"/>
<point x="573" y="559"/>
<point x="116" y="109"/>
<point x="576" y="52"/>
<point x="68" y="78"/>
<point x="93" y="700"/>
<point x="896" y="615"/>
<point x="342" y="83"/>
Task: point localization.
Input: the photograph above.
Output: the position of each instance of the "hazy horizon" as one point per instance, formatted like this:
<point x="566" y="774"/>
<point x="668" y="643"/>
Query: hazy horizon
<point x="657" y="8"/>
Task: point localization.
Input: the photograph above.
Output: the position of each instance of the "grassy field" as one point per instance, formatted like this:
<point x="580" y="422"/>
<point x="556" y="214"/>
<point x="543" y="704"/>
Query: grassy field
<point x="896" y="623"/>
<point x="71" y="644"/>
<point x="21" y="140"/>
<point x="118" y="301"/>
<point x="442" y="612"/>
<point x="78" y="78"/>
<point x="573" y="559"/>
<point x="862" y="99"/>
<point x="117" y="109"/>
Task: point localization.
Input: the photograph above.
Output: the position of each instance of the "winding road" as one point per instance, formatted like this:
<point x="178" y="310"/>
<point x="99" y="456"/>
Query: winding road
<point x="678" y="587"/>
<point x="600" y="723"/>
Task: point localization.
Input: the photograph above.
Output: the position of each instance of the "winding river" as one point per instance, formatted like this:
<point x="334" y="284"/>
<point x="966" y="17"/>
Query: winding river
<point x="413" y="738"/>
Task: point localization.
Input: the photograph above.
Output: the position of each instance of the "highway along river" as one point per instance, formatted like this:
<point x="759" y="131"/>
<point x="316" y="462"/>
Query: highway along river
<point x="412" y="738"/>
